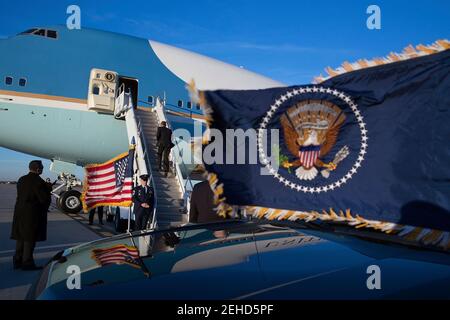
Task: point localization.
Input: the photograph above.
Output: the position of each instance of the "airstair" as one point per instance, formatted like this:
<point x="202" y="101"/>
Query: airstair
<point x="170" y="209"/>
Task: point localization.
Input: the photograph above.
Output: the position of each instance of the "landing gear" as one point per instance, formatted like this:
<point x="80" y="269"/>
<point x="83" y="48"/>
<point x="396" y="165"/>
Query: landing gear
<point x="69" y="200"/>
<point x="110" y="213"/>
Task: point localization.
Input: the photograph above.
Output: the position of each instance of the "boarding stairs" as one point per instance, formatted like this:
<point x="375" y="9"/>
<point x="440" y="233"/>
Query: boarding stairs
<point x="171" y="209"/>
<point x="170" y="192"/>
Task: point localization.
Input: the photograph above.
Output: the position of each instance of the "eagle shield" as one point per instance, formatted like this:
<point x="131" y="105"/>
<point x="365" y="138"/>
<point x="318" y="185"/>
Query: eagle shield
<point x="311" y="129"/>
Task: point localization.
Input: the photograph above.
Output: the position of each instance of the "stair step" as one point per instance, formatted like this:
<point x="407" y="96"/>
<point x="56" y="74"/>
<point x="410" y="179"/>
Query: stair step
<point x="170" y="209"/>
<point x="165" y="182"/>
<point x="177" y="203"/>
<point x="172" y="219"/>
<point x="150" y="130"/>
<point x="175" y="208"/>
<point x="162" y="220"/>
<point x="168" y="193"/>
<point x="171" y="216"/>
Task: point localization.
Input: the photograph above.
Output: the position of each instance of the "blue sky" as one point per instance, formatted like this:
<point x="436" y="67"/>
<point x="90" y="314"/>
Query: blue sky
<point x="290" y="41"/>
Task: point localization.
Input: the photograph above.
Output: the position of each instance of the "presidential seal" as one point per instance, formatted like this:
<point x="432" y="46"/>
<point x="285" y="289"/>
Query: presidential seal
<point x="311" y="129"/>
<point x="312" y="153"/>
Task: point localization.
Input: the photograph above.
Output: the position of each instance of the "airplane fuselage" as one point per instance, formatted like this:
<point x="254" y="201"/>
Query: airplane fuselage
<point x="44" y="84"/>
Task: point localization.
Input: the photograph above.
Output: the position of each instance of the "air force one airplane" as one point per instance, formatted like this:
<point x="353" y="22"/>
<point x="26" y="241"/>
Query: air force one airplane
<point x="58" y="90"/>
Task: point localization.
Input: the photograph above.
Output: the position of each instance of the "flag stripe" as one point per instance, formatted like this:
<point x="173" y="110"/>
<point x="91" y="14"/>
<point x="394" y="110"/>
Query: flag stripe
<point x="99" y="167"/>
<point x="101" y="181"/>
<point x="109" y="187"/>
<point x="110" y="194"/>
<point x="102" y="175"/>
<point x="124" y="196"/>
<point x="110" y="169"/>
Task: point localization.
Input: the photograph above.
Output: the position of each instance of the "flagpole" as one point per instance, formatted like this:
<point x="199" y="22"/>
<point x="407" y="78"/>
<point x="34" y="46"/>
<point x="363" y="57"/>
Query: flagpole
<point x="133" y="144"/>
<point x="129" y="220"/>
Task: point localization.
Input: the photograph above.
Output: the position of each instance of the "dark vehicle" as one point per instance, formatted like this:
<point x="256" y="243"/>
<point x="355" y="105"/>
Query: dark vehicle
<point x="245" y="260"/>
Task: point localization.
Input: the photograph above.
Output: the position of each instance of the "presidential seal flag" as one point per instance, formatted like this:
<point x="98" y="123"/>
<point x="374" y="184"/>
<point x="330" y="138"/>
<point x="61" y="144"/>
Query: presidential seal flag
<point x="109" y="183"/>
<point x="366" y="148"/>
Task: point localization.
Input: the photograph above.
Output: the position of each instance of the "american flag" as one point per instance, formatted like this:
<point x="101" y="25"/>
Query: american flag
<point x="109" y="183"/>
<point x="119" y="254"/>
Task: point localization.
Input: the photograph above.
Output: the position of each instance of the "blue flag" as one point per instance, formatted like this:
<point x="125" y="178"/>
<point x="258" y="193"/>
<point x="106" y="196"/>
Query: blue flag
<point x="375" y="142"/>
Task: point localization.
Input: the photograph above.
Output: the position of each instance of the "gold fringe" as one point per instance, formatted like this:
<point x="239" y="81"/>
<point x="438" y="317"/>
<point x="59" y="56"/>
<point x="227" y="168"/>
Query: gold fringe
<point x="408" y="53"/>
<point x="198" y="96"/>
<point x="221" y="207"/>
<point x="424" y="236"/>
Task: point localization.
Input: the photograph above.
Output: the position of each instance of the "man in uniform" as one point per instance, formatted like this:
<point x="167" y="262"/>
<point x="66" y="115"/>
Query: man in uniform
<point x="30" y="215"/>
<point x="164" y="139"/>
<point x="143" y="200"/>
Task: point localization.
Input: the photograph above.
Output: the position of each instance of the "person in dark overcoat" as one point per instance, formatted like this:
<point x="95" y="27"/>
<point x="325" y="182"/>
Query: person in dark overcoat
<point x="143" y="200"/>
<point x="164" y="141"/>
<point x="30" y="215"/>
<point x="202" y="204"/>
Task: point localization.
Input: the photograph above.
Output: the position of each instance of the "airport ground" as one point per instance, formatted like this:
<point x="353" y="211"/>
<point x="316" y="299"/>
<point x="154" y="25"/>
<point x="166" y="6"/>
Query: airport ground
<point x="63" y="231"/>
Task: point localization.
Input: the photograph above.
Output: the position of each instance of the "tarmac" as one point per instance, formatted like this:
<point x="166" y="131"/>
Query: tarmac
<point x="63" y="231"/>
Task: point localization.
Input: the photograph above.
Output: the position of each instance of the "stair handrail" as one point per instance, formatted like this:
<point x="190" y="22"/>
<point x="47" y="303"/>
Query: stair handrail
<point x="142" y="163"/>
<point x="162" y="116"/>
<point x="153" y="224"/>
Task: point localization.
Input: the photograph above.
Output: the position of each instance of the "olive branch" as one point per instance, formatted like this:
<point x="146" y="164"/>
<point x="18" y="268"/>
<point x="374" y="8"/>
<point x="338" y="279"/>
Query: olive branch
<point x="280" y="158"/>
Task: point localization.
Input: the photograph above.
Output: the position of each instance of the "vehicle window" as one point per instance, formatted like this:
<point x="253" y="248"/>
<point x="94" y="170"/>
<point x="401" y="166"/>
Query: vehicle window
<point x="96" y="90"/>
<point x="52" y="34"/>
<point x="150" y="99"/>
<point x="197" y="106"/>
<point x="180" y="103"/>
<point x="189" y="105"/>
<point x="8" y="80"/>
<point x="22" y="82"/>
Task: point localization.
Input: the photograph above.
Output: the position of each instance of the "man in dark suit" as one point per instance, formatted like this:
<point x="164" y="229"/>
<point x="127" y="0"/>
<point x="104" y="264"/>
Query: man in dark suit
<point x="164" y="139"/>
<point x="202" y="204"/>
<point x="99" y="213"/>
<point x="143" y="200"/>
<point x="30" y="215"/>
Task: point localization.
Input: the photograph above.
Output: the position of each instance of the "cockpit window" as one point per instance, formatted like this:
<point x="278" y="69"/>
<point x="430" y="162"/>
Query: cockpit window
<point x="41" y="32"/>
<point x="52" y="34"/>
<point x="29" y="31"/>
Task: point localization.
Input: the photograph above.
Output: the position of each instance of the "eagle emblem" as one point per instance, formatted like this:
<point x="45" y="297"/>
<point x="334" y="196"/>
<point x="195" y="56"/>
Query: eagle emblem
<point x="311" y="129"/>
